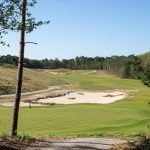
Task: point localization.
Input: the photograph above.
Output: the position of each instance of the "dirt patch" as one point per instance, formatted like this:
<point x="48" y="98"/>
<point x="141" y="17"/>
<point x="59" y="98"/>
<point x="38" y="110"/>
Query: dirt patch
<point x="59" y="144"/>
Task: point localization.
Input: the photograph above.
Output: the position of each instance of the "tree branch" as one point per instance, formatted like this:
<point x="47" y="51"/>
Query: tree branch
<point x="30" y="43"/>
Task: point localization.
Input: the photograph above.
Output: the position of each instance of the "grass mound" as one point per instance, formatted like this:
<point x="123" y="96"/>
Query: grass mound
<point x="33" y="79"/>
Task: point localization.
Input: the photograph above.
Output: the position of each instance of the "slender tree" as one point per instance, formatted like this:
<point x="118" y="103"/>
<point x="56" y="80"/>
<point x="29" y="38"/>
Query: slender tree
<point x="10" y="13"/>
<point x="20" y="70"/>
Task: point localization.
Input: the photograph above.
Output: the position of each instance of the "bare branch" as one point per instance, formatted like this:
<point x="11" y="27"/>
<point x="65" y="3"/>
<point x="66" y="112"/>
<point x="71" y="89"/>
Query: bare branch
<point x="30" y="43"/>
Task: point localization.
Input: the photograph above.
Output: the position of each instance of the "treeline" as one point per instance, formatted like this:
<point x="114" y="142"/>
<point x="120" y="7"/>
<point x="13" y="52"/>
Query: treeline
<point x="123" y="66"/>
<point x="145" y="62"/>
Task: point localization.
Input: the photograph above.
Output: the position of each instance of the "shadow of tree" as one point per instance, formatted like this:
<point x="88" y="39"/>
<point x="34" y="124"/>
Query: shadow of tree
<point x="6" y="148"/>
<point x="143" y="143"/>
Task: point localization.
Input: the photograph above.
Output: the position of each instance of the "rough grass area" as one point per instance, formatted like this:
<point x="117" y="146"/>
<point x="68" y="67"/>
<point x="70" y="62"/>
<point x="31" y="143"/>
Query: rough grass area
<point x="33" y="79"/>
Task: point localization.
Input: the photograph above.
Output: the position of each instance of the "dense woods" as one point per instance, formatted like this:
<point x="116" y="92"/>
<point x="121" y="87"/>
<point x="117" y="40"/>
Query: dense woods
<point x="124" y="66"/>
<point x="132" y="67"/>
<point x="145" y="61"/>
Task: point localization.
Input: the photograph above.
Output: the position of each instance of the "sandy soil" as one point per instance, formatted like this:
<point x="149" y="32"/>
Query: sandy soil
<point x="81" y="144"/>
<point x="76" y="97"/>
<point x="22" y="104"/>
<point x="86" y="97"/>
<point x="7" y="143"/>
<point x="53" y="72"/>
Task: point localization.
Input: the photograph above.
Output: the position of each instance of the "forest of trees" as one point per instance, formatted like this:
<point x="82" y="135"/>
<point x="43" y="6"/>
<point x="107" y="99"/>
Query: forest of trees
<point x="123" y="66"/>
<point x="132" y="67"/>
<point x="145" y="63"/>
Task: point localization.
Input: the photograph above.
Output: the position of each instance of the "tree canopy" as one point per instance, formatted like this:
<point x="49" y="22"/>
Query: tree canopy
<point x="10" y="11"/>
<point x="123" y="66"/>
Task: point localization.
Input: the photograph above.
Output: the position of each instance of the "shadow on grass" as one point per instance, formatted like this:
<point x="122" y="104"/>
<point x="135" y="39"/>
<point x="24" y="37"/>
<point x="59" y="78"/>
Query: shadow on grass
<point x="6" y="148"/>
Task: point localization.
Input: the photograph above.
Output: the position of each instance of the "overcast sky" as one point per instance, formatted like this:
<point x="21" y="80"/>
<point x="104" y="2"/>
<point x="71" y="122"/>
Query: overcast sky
<point x="87" y="27"/>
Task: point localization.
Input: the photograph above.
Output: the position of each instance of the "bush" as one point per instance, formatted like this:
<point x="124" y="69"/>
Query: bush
<point x="146" y="78"/>
<point x="142" y="143"/>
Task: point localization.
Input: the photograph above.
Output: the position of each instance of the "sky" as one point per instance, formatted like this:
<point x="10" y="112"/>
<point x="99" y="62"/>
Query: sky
<point x="86" y="28"/>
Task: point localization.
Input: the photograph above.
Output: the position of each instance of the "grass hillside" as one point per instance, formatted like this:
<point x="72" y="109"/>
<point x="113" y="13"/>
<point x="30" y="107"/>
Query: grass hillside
<point x="33" y="79"/>
<point x="123" y="118"/>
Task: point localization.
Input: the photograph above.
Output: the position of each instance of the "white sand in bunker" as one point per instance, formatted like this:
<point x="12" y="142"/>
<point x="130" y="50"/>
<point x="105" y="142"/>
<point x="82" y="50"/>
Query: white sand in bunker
<point x="75" y="97"/>
<point x="86" y="97"/>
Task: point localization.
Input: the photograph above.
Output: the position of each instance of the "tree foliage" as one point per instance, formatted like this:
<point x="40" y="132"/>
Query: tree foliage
<point x="146" y="68"/>
<point x="15" y="16"/>
<point x="10" y="14"/>
<point x="123" y="66"/>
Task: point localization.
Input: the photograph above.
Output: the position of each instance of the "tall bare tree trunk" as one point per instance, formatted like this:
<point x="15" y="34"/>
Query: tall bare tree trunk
<point x="20" y="71"/>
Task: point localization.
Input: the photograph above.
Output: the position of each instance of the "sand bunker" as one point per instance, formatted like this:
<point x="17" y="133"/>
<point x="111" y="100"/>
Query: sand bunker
<point x="86" y="97"/>
<point x="53" y="72"/>
<point x="76" y="98"/>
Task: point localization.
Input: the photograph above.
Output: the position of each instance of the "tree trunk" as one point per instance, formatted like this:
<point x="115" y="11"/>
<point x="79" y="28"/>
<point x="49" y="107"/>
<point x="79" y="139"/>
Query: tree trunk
<point x="20" y="71"/>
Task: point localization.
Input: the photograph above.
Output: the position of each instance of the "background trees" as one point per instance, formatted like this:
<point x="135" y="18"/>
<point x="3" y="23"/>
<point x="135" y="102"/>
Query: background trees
<point x="123" y="66"/>
<point x="146" y="68"/>
<point x="132" y="67"/>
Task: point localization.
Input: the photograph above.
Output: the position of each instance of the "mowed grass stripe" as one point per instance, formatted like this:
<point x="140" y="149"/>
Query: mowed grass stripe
<point x="95" y="118"/>
<point x="64" y="123"/>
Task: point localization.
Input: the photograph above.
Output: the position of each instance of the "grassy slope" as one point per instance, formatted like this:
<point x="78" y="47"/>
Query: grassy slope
<point x="129" y="116"/>
<point x="33" y="80"/>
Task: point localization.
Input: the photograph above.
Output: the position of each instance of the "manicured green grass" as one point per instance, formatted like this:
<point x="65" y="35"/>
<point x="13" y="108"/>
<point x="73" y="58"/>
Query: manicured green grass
<point x="126" y="117"/>
<point x="79" y="120"/>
